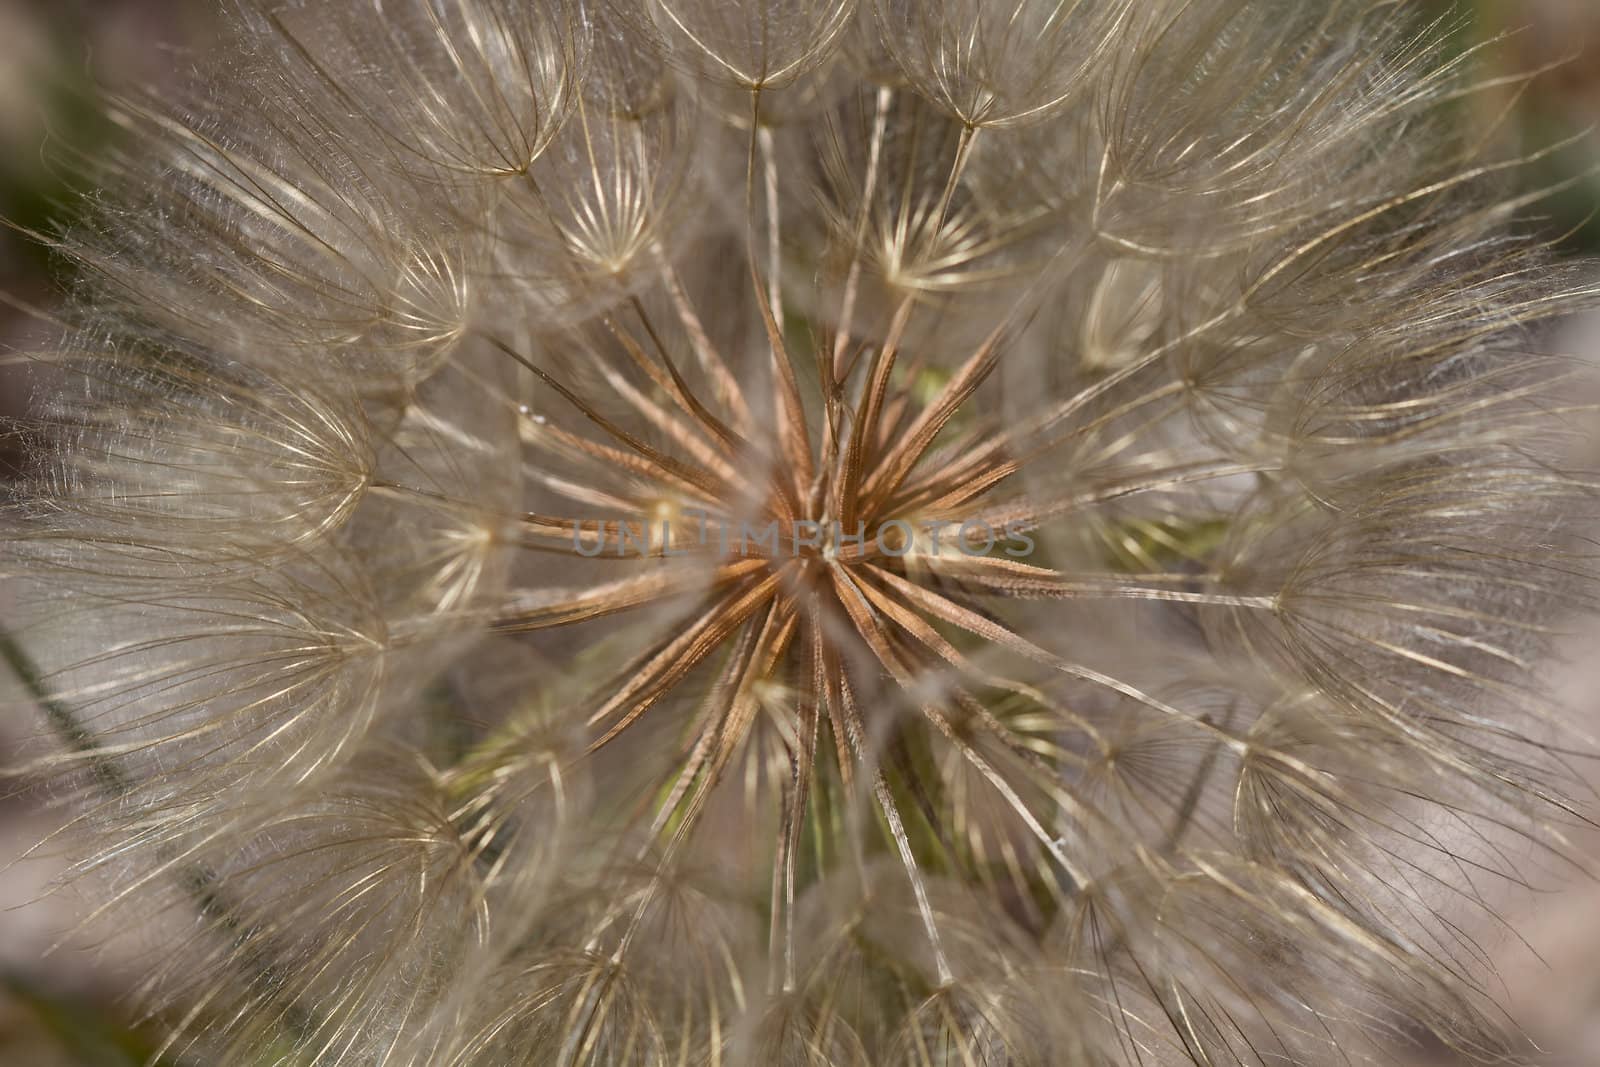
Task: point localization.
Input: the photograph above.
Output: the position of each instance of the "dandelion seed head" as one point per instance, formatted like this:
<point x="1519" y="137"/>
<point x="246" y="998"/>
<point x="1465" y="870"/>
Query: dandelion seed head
<point x="662" y="532"/>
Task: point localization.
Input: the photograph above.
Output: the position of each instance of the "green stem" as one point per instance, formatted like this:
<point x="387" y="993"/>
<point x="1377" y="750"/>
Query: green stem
<point x="111" y="778"/>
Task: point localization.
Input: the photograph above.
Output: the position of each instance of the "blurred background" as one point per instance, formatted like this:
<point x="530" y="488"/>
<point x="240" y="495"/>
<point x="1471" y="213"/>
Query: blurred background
<point x="67" y="1008"/>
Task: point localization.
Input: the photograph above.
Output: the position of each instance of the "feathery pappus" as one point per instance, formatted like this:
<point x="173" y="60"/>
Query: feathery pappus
<point x="816" y="533"/>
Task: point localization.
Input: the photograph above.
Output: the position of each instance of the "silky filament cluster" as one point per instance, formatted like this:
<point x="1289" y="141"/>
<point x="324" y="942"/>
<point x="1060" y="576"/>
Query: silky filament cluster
<point x="1165" y="520"/>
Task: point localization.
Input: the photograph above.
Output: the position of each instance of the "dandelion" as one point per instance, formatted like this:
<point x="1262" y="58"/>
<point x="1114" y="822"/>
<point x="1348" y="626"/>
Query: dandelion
<point x="811" y="533"/>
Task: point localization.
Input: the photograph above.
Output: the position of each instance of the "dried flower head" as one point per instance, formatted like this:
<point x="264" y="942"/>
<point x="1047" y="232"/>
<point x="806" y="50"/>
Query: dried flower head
<point x="798" y="532"/>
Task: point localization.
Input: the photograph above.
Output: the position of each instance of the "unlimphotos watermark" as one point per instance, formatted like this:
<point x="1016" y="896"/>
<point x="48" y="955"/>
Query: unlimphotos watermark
<point x="897" y="538"/>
